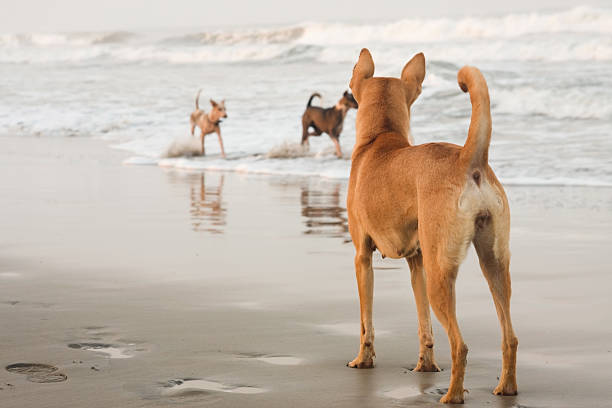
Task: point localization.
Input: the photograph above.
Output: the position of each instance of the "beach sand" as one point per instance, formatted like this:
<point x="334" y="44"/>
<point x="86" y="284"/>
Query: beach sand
<point x="149" y="287"/>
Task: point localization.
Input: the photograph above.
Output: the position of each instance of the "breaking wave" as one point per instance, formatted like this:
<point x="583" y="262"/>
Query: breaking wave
<point x="64" y="39"/>
<point x="544" y="36"/>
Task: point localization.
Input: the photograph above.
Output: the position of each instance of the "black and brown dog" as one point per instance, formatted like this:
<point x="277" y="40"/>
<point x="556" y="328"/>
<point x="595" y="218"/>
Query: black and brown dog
<point x="327" y="120"/>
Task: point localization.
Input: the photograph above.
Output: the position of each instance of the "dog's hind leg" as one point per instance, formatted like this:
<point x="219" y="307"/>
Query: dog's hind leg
<point x="316" y="131"/>
<point x="426" y="362"/>
<point x="365" y="284"/>
<point x="441" y="294"/>
<point x="442" y="249"/>
<point x="305" y="126"/>
<point x="491" y="243"/>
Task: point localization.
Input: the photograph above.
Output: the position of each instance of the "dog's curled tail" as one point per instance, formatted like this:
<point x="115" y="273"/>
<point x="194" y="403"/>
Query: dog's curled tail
<point x="198" y="99"/>
<point x="316" y="94"/>
<point x="475" y="152"/>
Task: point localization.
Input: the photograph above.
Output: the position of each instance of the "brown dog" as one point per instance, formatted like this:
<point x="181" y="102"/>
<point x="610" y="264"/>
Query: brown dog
<point x="427" y="203"/>
<point x="328" y="120"/>
<point x="208" y="123"/>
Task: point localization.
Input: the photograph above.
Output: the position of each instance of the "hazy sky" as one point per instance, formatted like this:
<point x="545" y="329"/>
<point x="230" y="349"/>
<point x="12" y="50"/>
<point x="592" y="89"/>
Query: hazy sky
<point x="87" y="15"/>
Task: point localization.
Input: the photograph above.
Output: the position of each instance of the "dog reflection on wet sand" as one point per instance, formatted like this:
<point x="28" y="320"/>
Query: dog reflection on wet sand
<point x="324" y="211"/>
<point x="207" y="210"/>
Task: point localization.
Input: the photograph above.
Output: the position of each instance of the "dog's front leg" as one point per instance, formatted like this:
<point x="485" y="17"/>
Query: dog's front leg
<point x="365" y="284"/>
<point x="337" y="145"/>
<point x="218" y="131"/>
<point x="202" y="152"/>
<point x="305" y="135"/>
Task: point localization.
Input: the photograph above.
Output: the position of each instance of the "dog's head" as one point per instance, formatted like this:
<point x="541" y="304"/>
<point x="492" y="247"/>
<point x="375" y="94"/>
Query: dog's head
<point x="409" y="83"/>
<point x="348" y="100"/>
<point x="218" y="110"/>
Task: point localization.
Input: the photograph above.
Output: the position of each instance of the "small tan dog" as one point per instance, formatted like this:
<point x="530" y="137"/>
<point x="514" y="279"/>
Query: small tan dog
<point x="208" y="123"/>
<point x="427" y="203"/>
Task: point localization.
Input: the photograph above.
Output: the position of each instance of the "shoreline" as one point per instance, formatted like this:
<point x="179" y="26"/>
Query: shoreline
<point x="197" y="163"/>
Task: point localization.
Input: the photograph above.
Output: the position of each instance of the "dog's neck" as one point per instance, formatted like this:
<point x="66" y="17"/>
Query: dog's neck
<point x="342" y="108"/>
<point x="372" y="121"/>
<point x="211" y="118"/>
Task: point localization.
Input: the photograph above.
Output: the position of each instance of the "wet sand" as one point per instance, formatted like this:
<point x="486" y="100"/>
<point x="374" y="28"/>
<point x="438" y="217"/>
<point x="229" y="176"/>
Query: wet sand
<point x="149" y="287"/>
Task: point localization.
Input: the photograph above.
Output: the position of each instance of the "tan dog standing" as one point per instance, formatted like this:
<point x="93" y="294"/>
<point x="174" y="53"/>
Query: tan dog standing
<point x="427" y="203"/>
<point x="328" y="120"/>
<point x="208" y="123"/>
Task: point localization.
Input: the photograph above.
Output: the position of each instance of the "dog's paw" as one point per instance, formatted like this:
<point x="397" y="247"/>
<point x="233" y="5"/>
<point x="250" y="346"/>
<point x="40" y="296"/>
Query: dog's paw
<point x="361" y="362"/>
<point x="455" y="398"/>
<point x="505" y="389"/>
<point x="426" y="367"/>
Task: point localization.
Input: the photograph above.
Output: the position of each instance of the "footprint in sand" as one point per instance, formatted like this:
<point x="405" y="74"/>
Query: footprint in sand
<point x="110" y="350"/>
<point x="438" y="392"/>
<point x="38" y="373"/>
<point x="275" y="359"/>
<point x="184" y="386"/>
<point x="116" y="348"/>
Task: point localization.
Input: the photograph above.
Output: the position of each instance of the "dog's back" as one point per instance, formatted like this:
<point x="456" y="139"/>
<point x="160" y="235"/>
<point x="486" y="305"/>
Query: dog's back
<point x="383" y="151"/>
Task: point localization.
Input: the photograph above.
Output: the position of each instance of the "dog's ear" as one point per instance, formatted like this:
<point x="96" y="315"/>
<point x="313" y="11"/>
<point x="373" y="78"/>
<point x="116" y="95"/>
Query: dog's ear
<point x="414" y="70"/>
<point x="345" y="93"/>
<point x="213" y="103"/>
<point x="364" y="69"/>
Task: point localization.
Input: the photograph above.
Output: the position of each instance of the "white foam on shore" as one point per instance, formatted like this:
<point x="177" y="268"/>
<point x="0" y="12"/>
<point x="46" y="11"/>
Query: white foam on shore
<point x="111" y="352"/>
<point x="288" y="150"/>
<point x="179" y="387"/>
<point x="184" y="147"/>
<point x="327" y="166"/>
<point x="408" y="391"/>
<point x="553" y="182"/>
<point x="141" y="161"/>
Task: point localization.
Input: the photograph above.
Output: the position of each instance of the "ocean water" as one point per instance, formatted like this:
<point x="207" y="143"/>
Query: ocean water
<point x="549" y="77"/>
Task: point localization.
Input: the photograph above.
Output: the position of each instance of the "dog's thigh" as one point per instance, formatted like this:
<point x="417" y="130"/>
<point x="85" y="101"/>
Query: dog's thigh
<point x="316" y="131"/>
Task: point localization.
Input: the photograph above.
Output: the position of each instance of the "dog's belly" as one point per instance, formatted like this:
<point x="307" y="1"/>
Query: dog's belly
<point x="398" y="242"/>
